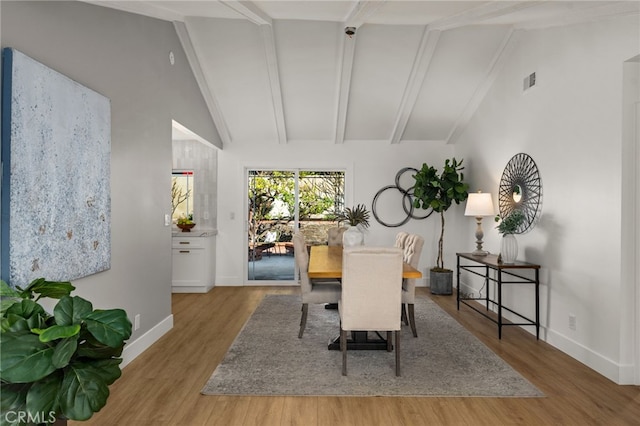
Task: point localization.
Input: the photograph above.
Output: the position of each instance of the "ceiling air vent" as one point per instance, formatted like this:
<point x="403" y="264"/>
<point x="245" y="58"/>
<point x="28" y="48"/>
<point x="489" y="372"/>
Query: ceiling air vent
<point x="529" y="82"/>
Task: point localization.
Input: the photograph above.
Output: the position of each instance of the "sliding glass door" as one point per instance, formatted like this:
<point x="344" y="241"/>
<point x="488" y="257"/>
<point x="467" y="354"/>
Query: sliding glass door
<point x="281" y="202"/>
<point x="271" y="222"/>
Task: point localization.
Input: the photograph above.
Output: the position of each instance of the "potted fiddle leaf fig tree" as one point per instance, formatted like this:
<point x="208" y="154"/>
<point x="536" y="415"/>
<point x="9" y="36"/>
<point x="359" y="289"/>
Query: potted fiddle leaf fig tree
<point x="438" y="191"/>
<point x="60" y="365"/>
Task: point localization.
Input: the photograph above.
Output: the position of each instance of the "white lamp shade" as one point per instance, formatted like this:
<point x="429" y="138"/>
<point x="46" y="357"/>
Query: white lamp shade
<point x="479" y="204"/>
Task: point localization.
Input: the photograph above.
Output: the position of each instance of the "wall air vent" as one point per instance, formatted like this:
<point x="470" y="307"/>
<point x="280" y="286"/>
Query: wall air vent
<point x="529" y="82"/>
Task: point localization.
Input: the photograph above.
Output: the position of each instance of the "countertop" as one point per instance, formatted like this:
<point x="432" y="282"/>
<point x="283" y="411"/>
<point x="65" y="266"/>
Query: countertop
<point x="194" y="233"/>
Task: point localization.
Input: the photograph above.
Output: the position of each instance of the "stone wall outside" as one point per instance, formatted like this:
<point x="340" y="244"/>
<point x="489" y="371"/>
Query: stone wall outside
<point x="314" y="231"/>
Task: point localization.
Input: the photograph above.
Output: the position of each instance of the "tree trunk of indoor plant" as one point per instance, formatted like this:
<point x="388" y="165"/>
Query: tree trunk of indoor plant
<point x="441" y="279"/>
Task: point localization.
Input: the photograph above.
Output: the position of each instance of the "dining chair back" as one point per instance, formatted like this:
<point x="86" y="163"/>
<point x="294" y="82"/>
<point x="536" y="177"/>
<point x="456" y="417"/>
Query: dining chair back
<point x="400" y="239"/>
<point x="371" y="294"/>
<point x="411" y="245"/>
<point x="311" y="291"/>
<point x="334" y="236"/>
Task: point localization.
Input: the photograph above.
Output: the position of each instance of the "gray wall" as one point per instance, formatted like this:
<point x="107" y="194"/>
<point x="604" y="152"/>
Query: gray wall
<point x="125" y="57"/>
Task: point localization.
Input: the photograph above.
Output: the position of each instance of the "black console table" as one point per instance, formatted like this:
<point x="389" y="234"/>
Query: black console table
<point x="481" y="266"/>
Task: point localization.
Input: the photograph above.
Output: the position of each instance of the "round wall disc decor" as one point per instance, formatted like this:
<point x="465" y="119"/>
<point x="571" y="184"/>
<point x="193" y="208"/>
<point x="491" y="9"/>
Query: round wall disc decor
<point x="521" y="189"/>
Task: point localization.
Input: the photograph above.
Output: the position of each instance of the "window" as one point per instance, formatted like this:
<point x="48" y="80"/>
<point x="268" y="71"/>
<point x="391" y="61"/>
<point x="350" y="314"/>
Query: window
<point x="181" y="194"/>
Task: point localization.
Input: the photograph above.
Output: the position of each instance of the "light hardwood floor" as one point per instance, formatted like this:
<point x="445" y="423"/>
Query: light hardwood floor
<point x="162" y="386"/>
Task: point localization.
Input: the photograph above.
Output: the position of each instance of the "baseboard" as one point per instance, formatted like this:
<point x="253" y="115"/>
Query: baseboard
<point x="627" y="375"/>
<point x="229" y="282"/>
<point x="466" y="289"/>
<point x="617" y="373"/>
<point x="142" y="343"/>
<point x="191" y="289"/>
<point x="261" y="284"/>
<point x="272" y="283"/>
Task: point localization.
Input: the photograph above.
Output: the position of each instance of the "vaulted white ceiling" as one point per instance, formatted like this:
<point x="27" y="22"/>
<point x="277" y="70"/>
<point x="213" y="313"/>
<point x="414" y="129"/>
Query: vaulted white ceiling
<point x="286" y="72"/>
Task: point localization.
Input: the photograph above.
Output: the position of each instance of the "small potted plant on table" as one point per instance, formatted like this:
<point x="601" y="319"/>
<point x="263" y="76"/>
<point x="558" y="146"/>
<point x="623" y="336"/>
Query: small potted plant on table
<point x="358" y="219"/>
<point x="508" y="226"/>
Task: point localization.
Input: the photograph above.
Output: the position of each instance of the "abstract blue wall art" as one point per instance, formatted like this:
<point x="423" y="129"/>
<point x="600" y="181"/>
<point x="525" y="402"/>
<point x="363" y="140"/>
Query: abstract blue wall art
<point x="56" y="148"/>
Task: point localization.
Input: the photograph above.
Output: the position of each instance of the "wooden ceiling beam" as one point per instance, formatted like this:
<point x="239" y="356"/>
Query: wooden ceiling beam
<point x="209" y="98"/>
<point x="249" y="10"/>
<point x="356" y="18"/>
<point x="481" y="13"/>
<point x="590" y="12"/>
<point x="144" y="8"/>
<point x="361" y="11"/>
<point x="254" y="14"/>
<point x="502" y="53"/>
<point x="345" y="68"/>
<point x="274" y="81"/>
<point x="417" y="75"/>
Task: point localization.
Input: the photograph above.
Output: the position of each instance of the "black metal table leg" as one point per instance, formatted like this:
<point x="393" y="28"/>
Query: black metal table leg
<point x="499" y="303"/>
<point x="537" y="304"/>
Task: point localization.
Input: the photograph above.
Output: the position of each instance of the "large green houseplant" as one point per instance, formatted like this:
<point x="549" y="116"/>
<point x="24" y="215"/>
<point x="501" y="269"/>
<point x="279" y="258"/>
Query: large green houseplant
<point x="438" y="191"/>
<point x="60" y="365"/>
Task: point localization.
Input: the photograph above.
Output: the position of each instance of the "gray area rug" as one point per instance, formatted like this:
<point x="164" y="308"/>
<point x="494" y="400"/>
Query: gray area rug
<point x="267" y="358"/>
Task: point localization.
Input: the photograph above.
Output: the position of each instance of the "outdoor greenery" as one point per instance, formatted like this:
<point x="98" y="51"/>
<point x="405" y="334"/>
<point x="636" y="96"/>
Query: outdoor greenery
<point x="60" y="363"/>
<point x="177" y="195"/>
<point x="272" y="199"/>
<point x="438" y="192"/>
<point x="181" y="194"/>
<point x="511" y="223"/>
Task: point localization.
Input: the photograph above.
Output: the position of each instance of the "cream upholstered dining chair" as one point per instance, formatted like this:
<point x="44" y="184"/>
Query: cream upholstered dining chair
<point x="334" y="235"/>
<point x="312" y="291"/>
<point x="400" y="238"/>
<point x="371" y="295"/>
<point x="411" y="246"/>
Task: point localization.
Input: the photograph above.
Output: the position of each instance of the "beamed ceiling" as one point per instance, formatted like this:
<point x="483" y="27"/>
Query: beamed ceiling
<point x="286" y="72"/>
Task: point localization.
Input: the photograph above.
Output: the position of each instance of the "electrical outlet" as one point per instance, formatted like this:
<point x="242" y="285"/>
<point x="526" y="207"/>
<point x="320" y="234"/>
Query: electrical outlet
<point x="572" y="322"/>
<point x="136" y="322"/>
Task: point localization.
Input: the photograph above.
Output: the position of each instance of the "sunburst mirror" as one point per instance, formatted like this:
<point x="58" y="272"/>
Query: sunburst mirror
<point x="521" y="189"/>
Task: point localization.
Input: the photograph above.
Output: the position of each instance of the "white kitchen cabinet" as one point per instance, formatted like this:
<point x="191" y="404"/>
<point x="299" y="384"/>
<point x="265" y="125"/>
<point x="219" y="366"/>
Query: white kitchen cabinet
<point x="193" y="262"/>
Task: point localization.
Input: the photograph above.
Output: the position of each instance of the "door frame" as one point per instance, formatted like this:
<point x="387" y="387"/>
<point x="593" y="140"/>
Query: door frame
<point x="246" y="279"/>
<point x="348" y="191"/>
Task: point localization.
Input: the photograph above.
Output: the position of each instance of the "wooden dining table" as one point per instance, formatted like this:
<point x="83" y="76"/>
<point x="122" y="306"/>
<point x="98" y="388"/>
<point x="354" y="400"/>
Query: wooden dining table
<point x="326" y="262"/>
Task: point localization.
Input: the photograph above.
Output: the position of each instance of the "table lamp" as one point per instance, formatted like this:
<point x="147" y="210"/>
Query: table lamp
<point x="479" y="205"/>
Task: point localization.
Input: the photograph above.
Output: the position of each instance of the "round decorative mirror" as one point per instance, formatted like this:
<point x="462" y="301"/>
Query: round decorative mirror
<point x="521" y="189"/>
